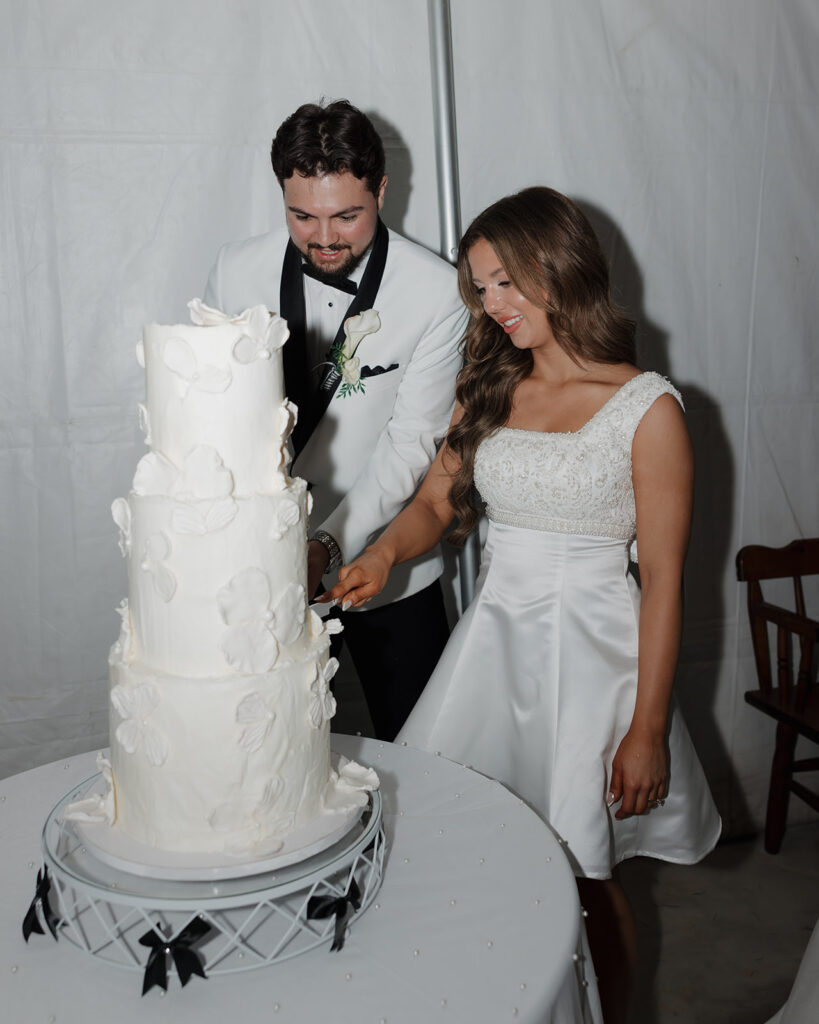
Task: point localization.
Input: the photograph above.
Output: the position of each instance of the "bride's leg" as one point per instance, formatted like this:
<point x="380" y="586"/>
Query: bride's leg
<point x="612" y="938"/>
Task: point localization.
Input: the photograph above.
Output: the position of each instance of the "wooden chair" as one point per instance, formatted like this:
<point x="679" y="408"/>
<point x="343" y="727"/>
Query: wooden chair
<point x="792" y="700"/>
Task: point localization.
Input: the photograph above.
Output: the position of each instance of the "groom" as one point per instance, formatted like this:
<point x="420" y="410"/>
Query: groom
<point x="373" y="403"/>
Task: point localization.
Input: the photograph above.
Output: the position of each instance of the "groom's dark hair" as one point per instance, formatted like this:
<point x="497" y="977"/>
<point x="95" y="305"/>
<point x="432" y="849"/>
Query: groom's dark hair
<point x="320" y="139"/>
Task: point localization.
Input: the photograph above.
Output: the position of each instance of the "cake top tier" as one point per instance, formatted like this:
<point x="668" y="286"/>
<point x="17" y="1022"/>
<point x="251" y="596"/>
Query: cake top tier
<point x="219" y="383"/>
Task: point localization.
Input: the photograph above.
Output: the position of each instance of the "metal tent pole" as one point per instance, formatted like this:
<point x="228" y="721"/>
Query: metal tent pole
<point x="449" y="206"/>
<point x="446" y="141"/>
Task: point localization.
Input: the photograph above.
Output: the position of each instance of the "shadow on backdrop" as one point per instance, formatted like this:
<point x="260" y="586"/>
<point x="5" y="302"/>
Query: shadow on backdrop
<point x="399" y="172"/>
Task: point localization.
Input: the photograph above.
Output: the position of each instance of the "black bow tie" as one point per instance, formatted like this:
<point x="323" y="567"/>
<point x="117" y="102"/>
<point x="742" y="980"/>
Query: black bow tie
<point x="343" y="284"/>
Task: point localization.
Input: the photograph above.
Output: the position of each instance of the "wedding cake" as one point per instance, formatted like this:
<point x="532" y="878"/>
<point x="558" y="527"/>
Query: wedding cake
<point x="219" y="682"/>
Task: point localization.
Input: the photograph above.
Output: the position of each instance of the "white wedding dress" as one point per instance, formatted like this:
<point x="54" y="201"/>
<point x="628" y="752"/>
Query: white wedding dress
<point x="537" y="685"/>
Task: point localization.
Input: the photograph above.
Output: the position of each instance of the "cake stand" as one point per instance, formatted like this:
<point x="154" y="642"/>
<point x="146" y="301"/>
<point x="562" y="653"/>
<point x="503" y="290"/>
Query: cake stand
<point x="203" y="921"/>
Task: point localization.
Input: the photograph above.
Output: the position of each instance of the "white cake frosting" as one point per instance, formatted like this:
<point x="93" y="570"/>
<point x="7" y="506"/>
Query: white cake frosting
<point x="219" y="681"/>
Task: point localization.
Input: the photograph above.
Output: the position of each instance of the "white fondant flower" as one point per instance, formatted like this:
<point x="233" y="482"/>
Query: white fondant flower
<point x="309" y="503"/>
<point x="261" y="341"/>
<point x="250" y="647"/>
<point x="157" y="550"/>
<point x="121" y="512"/>
<point x="288" y="615"/>
<point x="264" y="332"/>
<point x="247" y="596"/>
<point x="154" y="474"/>
<point x="322" y="702"/>
<point x="244" y="604"/>
<point x="206" y="316"/>
<point x="257" y="718"/>
<point x="324" y="627"/>
<point x="255" y="320"/>
<point x="338" y="797"/>
<point x="201" y="519"/>
<point x="181" y="360"/>
<point x="135" y="705"/>
<point x="204" y="475"/>
<point x="99" y="807"/>
<point x="288" y="514"/>
<point x="288" y="417"/>
<point x="356" y="776"/>
<point x="123" y="647"/>
<point x="144" y="422"/>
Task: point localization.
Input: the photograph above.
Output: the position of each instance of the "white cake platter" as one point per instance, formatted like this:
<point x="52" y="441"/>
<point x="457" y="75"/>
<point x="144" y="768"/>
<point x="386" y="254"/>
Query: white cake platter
<point x="113" y="847"/>
<point x="254" y="919"/>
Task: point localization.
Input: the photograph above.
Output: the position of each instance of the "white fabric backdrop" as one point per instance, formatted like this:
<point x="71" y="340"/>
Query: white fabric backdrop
<point x="136" y="140"/>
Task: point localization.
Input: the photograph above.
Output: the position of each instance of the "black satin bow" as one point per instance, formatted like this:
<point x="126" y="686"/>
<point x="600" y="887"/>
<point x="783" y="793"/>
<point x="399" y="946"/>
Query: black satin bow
<point x="186" y="959"/>
<point x="342" y="906"/>
<point x="31" y="922"/>
<point x="341" y="284"/>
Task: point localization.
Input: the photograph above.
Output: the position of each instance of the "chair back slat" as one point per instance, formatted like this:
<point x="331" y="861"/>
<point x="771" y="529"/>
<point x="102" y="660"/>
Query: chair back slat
<point x="798" y="595"/>
<point x="804" y="676"/>
<point x="784" y="671"/>
<point x="759" y="637"/>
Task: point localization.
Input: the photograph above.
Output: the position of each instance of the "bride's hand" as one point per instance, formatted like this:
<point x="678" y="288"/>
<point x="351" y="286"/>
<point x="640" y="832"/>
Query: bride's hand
<point x="639" y="773"/>
<point x="359" y="581"/>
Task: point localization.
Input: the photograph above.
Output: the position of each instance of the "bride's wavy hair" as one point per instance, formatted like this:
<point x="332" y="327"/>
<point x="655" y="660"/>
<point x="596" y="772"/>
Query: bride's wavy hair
<point x="549" y="251"/>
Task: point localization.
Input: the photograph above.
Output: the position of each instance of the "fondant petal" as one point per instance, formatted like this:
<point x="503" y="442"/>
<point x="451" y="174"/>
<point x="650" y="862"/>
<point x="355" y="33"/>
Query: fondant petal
<point x="245" y="597"/>
<point x="156" y="746"/>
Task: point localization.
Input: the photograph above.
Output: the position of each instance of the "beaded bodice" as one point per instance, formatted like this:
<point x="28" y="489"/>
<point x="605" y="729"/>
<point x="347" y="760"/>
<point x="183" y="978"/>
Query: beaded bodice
<point x="577" y="482"/>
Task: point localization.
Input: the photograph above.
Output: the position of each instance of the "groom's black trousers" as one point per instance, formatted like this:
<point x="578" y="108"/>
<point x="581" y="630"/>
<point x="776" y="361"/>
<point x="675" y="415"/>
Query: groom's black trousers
<point x="394" y="649"/>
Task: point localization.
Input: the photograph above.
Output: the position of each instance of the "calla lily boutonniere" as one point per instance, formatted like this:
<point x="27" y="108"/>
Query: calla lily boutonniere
<point x="356" y="328"/>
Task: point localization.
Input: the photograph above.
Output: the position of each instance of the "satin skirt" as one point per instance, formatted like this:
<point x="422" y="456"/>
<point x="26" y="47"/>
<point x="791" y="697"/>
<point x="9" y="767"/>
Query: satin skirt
<point x="536" y="688"/>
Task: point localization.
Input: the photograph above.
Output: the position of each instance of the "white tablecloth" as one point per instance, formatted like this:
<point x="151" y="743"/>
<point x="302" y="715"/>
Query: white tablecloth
<point x="477" y="920"/>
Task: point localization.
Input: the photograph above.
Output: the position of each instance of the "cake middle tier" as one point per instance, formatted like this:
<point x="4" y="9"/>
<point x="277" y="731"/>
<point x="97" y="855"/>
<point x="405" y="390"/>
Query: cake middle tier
<point x="216" y="586"/>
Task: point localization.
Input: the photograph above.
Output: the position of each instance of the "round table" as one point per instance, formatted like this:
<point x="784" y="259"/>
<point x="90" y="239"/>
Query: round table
<point x="477" y="920"/>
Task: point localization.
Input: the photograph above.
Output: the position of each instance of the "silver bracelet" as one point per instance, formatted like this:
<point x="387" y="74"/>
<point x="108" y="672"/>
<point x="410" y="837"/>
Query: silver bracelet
<point x="333" y="550"/>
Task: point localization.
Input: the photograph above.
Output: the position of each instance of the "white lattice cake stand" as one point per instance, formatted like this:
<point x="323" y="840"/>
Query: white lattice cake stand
<point x="252" y="917"/>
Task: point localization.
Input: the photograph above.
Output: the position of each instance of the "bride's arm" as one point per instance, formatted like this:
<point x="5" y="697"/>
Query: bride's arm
<point x="662" y="474"/>
<point x="414" y="531"/>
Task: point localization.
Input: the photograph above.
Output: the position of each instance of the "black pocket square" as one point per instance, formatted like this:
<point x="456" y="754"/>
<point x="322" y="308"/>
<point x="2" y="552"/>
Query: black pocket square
<point x="376" y="371"/>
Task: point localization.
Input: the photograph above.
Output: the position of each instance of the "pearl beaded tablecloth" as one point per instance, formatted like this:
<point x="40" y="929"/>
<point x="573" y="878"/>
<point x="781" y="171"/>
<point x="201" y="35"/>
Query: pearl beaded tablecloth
<point x="477" y="920"/>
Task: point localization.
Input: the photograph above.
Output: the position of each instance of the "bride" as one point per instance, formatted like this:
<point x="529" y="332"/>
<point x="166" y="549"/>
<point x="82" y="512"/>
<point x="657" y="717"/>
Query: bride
<point x="557" y="679"/>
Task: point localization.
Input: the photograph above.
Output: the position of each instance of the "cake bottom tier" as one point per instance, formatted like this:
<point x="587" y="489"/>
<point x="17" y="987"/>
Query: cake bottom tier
<point x="226" y="764"/>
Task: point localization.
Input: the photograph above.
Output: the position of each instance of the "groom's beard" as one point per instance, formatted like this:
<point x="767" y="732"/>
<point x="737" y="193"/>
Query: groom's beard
<point x="330" y="275"/>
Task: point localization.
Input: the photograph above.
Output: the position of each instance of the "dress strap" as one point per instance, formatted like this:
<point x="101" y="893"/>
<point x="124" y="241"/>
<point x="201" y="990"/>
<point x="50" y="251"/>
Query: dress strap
<point x="636" y="397"/>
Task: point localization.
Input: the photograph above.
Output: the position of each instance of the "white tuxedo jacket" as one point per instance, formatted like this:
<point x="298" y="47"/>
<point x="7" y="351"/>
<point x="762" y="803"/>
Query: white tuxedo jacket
<point x="370" y="451"/>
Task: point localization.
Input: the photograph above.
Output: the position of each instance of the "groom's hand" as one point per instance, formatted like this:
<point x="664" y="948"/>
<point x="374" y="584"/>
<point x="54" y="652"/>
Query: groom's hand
<point x="317" y="559"/>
